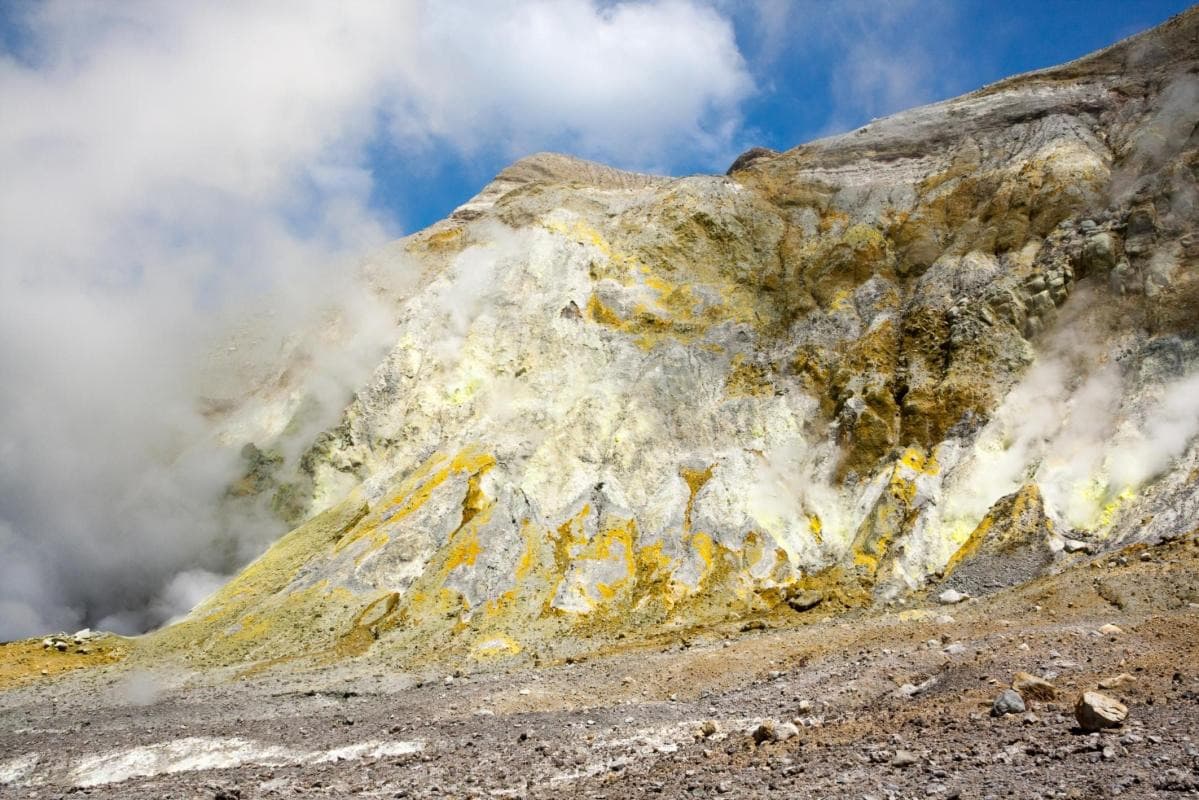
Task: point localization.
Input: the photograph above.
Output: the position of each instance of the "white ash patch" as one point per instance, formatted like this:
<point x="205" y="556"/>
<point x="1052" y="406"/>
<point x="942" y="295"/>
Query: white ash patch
<point x="189" y="754"/>
<point x="16" y="771"/>
<point x="644" y="743"/>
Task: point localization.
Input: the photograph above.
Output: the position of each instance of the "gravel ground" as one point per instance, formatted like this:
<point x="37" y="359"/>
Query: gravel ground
<point x="890" y="705"/>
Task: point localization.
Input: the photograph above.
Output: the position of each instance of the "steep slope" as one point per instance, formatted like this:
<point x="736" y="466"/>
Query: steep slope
<point x="838" y="376"/>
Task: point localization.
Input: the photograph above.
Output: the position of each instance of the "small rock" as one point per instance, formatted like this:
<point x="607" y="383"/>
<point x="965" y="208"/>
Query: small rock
<point x="805" y="706"/>
<point x="1118" y="682"/>
<point x="1076" y="546"/>
<point x="772" y="731"/>
<point x="950" y="597"/>
<point x="709" y="728"/>
<point x="944" y="619"/>
<point x="1095" y="711"/>
<point x="805" y="599"/>
<point x="1111" y="630"/>
<point x="786" y="730"/>
<point x="955" y="649"/>
<point x="449" y="680"/>
<point x="903" y="758"/>
<point x="1029" y="685"/>
<point x="1009" y="701"/>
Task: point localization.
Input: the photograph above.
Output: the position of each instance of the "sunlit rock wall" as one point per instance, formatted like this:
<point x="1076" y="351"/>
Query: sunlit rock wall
<point x="957" y="347"/>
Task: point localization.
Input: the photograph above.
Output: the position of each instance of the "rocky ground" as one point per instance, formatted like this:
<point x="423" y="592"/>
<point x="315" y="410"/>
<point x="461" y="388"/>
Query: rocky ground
<point x="890" y="705"/>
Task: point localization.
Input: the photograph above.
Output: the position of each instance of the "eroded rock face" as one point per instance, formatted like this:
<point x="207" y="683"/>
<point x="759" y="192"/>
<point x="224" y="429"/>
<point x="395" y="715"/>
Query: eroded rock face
<point x="619" y="403"/>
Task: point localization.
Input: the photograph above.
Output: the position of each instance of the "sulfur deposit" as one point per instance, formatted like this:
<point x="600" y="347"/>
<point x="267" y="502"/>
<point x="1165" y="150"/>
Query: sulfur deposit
<point x="954" y="349"/>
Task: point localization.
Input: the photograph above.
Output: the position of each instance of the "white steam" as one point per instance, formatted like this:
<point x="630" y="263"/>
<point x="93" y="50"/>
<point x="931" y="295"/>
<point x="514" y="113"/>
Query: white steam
<point x="1084" y="433"/>
<point x="186" y="194"/>
<point x="1148" y="451"/>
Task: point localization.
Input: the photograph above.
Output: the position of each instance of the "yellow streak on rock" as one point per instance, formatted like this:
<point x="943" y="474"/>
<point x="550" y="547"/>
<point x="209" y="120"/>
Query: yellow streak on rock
<point x="815" y="527"/>
<point x="413" y="492"/>
<point x="495" y="646"/>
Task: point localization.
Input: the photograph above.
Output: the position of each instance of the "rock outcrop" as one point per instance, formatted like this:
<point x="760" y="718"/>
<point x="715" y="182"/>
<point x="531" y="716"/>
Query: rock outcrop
<point x="621" y="404"/>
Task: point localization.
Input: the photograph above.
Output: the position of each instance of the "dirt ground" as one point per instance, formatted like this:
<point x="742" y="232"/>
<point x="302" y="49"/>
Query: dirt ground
<point x="890" y="705"/>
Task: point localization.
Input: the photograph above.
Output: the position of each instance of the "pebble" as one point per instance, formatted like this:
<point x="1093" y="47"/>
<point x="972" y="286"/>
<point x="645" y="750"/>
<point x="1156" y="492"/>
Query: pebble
<point x="1111" y="630"/>
<point x="904" y="758"/>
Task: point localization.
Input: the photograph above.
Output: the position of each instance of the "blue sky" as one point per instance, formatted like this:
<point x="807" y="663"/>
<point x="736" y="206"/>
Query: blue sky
<point x="799" y="65"/>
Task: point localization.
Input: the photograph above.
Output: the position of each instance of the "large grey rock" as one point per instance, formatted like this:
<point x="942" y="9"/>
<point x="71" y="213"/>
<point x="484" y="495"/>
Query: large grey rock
<point x="1009" y="701"/>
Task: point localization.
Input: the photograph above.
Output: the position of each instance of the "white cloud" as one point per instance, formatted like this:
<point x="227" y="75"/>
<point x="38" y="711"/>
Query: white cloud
<point x="630" y="82"/>
<point x="169" y="165"/>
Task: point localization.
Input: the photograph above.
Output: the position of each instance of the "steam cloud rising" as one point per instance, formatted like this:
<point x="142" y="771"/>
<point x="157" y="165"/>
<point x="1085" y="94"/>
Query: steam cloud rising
<point x="180" y="176"/>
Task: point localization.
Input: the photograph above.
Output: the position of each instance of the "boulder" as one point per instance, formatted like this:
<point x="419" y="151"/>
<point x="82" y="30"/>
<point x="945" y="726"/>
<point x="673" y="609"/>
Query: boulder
<point x="1096" y="711"/>
<point x="1098" y="253"/>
